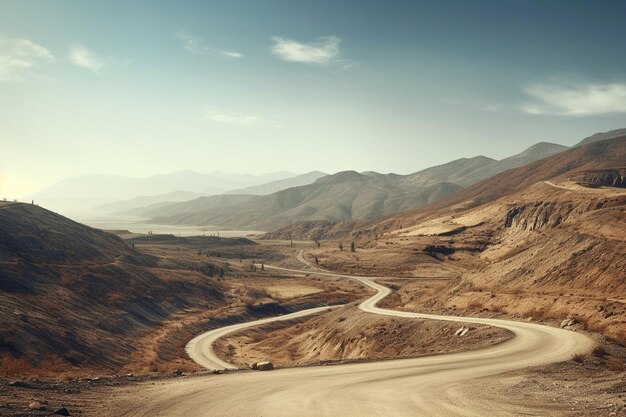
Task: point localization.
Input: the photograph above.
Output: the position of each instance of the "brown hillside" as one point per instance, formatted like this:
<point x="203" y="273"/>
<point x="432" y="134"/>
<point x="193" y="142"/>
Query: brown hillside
<point x="547" y="242"/>
<point x="73" y="297"/>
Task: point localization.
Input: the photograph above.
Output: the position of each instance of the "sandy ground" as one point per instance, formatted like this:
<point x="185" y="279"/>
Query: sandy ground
<point x="348" y="334"/>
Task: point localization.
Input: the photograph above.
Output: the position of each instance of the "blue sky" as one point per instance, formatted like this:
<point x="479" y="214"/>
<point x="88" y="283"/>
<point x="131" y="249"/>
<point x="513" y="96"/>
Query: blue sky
<point x="146" y="87"/>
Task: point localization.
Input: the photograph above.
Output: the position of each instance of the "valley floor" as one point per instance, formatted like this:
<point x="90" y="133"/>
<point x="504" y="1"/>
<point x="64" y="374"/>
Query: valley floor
<point x="589" y="385"/>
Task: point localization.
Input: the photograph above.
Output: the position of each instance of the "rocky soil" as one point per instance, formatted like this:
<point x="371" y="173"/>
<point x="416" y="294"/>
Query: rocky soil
<point x="348" y="334"/>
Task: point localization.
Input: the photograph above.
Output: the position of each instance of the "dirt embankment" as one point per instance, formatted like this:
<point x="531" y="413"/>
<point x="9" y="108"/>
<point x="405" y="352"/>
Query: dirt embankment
<point x="349" y="334"/>
<point x="78" y="301"/>
<point x="163" y="349"/>
<point x="551" y="252"/>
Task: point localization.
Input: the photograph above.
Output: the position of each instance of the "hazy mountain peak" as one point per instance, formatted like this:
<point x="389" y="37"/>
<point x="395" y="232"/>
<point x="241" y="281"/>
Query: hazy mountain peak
<point x="542" y="149"/>
<point x="278" y="185"/>
<point x="611" y="134"/>
<point x="342" y="176"/>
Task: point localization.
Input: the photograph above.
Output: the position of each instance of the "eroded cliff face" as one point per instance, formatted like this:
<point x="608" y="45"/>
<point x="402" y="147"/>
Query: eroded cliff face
<point x="602" y="177"/>
<point x="536" y="215"/>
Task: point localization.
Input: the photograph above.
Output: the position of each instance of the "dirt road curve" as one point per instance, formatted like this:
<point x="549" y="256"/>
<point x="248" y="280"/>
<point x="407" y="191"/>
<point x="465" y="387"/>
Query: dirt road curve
<point x="200" y="348"/>
<point x="427" y="386"/>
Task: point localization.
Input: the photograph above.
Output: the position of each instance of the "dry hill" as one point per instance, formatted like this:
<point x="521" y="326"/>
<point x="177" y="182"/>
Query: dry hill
<point x="73" y="297"/>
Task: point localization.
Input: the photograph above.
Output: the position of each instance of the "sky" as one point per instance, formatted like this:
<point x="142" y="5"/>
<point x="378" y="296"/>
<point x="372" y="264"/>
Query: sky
<point x="145" y="87"/>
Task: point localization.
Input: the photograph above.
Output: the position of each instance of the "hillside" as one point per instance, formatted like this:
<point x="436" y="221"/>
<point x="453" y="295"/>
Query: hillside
<point x="544" y="241"/>
<point x="142" y="201"/>
<point x="82" y="193"/>
<point x="611" y="134"/>
<point x="73" y="297"/>
<point x="279" y="185"/>
<point x="344" y="196"/>
<point x="468" y="171"/>
<point x="596" y="155"/>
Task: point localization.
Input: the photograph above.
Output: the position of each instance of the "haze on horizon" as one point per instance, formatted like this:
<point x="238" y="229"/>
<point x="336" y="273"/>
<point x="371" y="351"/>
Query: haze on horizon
<point x="143" y="88"/>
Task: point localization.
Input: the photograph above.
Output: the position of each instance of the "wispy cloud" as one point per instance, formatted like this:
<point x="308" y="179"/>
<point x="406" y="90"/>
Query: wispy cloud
<point x="18" y="55"/>
<point x="231" y="54"/>
<point x="196" y="46"/>
<point x="237" y="119"/>
<point x="82" y="57"/>
<point x="324" y="50"/>
<point x="576" y="100"/>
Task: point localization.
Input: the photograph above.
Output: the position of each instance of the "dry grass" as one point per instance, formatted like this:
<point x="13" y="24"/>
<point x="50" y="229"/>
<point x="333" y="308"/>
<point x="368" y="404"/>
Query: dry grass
<point x="535" y="313"/>
<point x="616" y="365"/>
<point x="475" y="306"/>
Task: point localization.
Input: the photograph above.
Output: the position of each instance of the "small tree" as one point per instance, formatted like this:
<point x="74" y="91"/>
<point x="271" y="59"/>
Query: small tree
<point x="341" y="247"/>
<point x="291" y="242"/>
<point x="352" y="247"/>
<point x="221" y="272"/>
<point x="317" y="262"/>
<point x="262" y="266"/>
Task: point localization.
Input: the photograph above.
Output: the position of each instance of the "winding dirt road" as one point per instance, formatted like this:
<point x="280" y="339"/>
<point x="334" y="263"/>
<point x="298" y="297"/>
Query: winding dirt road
<point x="426" y="386"/>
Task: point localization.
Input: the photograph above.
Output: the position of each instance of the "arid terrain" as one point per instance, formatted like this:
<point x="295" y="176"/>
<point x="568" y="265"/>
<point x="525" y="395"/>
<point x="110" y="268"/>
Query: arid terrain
<point x="530" y="260"/>
<point x="312" y="208"/>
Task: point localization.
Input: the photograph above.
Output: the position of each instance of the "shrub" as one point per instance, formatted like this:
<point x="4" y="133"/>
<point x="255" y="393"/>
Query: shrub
<point x="475" y="306"/>
<point x="600" y="352"/>
<point x="579" y="358"/>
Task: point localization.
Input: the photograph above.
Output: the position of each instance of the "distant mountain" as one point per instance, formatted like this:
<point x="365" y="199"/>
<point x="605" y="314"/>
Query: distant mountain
<point x="142" y="201"/>
<point x="599" y="163"/>
<point x="534" y="153"/>
<point x="610" y="153"/>
<point x="343" y="196"/>
<point x="279" y="185"/>
<point x="458" y="172"/>
<point x="86" y="191"/>
<point x="603" y="136"/>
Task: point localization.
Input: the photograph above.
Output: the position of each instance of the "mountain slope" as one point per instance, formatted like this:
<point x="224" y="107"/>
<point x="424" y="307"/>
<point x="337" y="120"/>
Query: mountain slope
<point x="74" y="298"/>
<point x="143" y="201"/>
<point x="545" y="241"/>
<point x="343" y="196"/>
<point x="81" y="193"/>
<point x="611" y="134"/>
<point x="534" y="153"/>
<point x="604" y="154"/>
<point x="279" y="185"/>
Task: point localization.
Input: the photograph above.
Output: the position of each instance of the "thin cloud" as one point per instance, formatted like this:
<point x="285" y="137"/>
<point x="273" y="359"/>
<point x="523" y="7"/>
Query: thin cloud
<point x="196" y="46"/>
<point x="581" y="100"/>
<point x="19" y="55"/>
<point x="82" y="57"/>
<point x="231" y="54"/>
<point x="237" y="119"/>
<point x="321" y="51"/>
<point x="324" y="51"/>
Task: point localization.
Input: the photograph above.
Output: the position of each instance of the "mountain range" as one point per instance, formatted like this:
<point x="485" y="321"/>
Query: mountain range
<point x="83" y="193"/>
<point x="347" y="195"/>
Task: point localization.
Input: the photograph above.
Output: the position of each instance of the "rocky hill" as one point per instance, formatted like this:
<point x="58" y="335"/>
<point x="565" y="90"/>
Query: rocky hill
<point x="73" y="298"/>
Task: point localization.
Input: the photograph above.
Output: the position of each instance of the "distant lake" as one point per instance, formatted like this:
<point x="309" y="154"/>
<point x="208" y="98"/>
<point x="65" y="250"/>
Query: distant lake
<point x="137" y="225"/>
